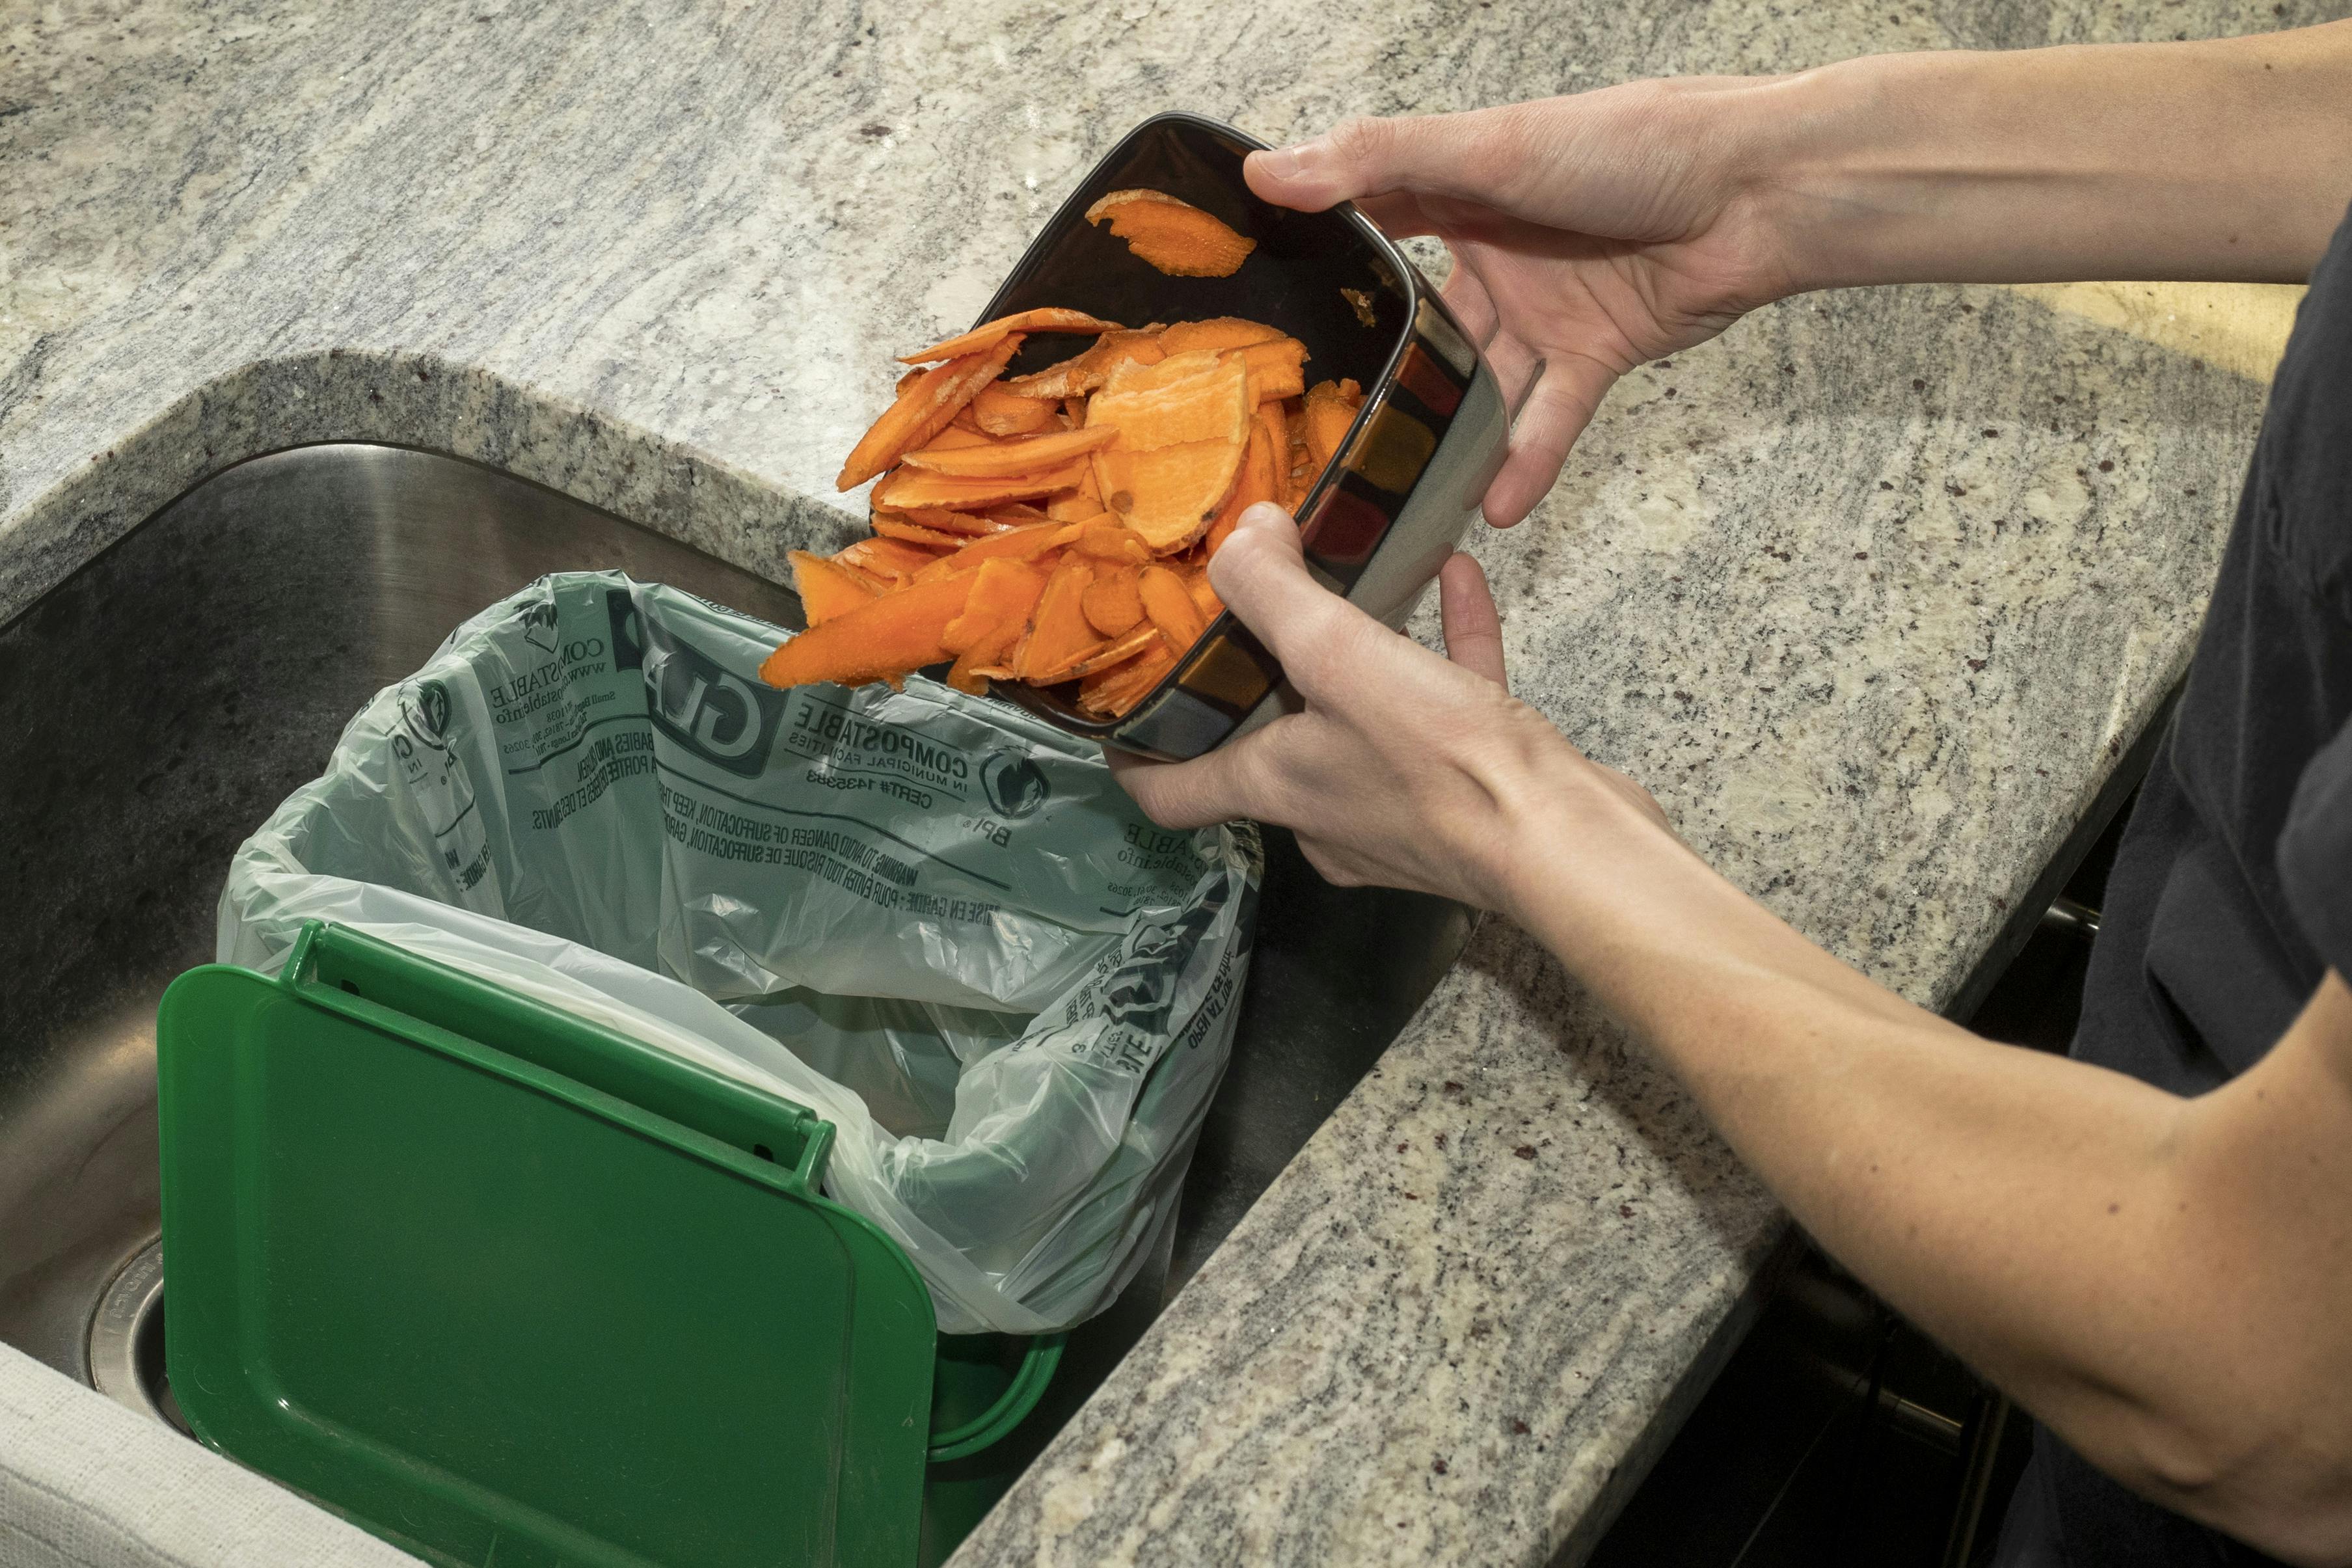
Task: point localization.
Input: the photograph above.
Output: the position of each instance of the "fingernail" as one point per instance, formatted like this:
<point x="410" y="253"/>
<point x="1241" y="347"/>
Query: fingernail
<point x="1285" y="162"/>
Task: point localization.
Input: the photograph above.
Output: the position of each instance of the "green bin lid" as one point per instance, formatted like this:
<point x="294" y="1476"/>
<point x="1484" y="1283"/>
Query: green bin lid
<point x="508" y="1287"/>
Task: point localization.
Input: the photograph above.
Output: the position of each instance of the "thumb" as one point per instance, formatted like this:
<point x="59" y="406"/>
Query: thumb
<point x="1260" y="572"/>
<point x="1439" y="153"/>
<point x="1209" y="789"/>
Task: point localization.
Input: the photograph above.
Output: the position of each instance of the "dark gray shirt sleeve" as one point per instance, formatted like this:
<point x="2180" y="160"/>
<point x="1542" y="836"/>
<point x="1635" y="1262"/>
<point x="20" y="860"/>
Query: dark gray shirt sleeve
<point x="2315" y="853"/>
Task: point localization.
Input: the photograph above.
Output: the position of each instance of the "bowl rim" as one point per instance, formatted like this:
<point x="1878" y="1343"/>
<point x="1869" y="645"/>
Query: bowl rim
<point x="1417" y="290"/>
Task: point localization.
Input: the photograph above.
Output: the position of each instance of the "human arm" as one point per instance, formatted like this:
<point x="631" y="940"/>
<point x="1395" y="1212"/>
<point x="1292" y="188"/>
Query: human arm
<point x="2166" y="1282"/>
<point x="1593" y="232"/>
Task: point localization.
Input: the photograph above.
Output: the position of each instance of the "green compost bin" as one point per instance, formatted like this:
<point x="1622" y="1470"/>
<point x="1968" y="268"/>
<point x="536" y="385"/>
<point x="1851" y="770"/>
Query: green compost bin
<point x="506" y="1287"/>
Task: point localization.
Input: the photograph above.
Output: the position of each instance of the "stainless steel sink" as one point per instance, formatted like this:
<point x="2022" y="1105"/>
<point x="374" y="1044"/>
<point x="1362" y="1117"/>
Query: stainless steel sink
<point x="157" y="704"/>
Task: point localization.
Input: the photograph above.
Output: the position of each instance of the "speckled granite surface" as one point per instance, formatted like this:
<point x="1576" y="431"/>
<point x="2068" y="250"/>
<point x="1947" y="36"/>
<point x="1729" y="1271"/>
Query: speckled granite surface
<point x="1871" y="593"/>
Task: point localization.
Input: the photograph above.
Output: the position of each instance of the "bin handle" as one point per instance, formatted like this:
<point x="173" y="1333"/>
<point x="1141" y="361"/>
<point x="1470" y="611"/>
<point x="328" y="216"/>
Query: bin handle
<point x="1028" y="1386"/>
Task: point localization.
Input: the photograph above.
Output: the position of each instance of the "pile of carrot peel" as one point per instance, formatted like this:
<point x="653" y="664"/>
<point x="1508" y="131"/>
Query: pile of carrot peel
<point x="1057" y="527"/>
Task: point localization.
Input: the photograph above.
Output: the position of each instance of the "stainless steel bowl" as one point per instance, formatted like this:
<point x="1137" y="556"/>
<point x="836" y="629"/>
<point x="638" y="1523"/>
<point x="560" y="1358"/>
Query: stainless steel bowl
<point x="1394" y="503"/>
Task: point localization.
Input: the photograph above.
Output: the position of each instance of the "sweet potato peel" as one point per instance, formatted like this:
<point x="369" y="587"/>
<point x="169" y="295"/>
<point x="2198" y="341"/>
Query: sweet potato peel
<point x="1258" y="481"/>
<point x="1169" y="603"/>
<point x="1207" y="400"/>
<point x="1003" y="594"/>
<point x="1116" y="653"/>
<point x="986" y="336"/>
<point x="923" y="410"/>
<point x="893" y="527"/>
<point x="1174" y="236"/>
<point x="1081" y="373"/>
<point x="1218" y="333"/>
<point x="1204" y="598"/>
<point x="1110" y="693"/>
<point x="828" y="590"/>
<point x="1277" y="369"/>
<point x="889" y="635"/>
<point x="912" y="487"/>
<point x="1330" y="409"/>
<point x="940" y="519"/>
<point x="1114" y="603"/>
<point x="890" y="559"/>
<point x="1171" y="494"/>
<point x="1012" y="544"/>
<point x="999" y="410"/>
<point x="1056" y="528"/>
<point x="1021" y="454"/>
<point x="1107" y="539"/>
<point x="957" y="434"/>
<point x="1182" y="427"/>
<point x="1059" y="637"/>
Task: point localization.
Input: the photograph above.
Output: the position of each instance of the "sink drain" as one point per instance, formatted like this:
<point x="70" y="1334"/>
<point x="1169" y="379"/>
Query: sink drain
<point x="126" y="1340"/>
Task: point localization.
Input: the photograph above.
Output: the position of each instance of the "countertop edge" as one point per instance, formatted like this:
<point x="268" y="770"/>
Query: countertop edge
<point x="419" y="401"/>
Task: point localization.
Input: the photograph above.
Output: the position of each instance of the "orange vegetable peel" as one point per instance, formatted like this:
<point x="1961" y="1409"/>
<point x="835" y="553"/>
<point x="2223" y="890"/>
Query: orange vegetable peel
<point x="986" y="336"/>
<point x="923" y="410"/>
<point x="1054" y="528"/>
<point x="1020" y="455"/>
<point x="828" y="589"/>
<point x="1173" y="236"/>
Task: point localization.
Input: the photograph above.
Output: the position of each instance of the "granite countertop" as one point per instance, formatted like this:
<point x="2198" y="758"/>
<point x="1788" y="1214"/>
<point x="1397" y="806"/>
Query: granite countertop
<point x="1871" y="592"/>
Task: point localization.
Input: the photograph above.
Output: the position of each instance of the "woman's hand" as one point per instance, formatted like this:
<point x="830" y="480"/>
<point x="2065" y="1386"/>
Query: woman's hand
<point x="1594" y="232"/>
<point x="1589" y="234"/>
<point x="1406" y="769"/>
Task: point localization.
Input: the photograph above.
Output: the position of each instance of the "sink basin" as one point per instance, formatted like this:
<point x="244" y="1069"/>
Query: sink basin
<point x="160" y="702"/>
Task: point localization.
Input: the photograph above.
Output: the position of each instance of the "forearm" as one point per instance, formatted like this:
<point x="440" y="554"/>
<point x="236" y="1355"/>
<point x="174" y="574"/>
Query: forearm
<point x="1877" y="1122"/>
<point x="2230" y="159"/>
<point x="2072" y="1232"/>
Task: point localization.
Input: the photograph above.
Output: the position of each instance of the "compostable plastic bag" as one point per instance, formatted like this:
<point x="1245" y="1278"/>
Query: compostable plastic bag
<point x="928" y="917"/>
